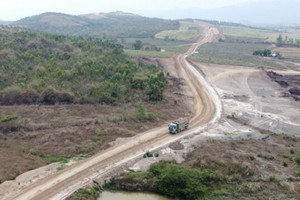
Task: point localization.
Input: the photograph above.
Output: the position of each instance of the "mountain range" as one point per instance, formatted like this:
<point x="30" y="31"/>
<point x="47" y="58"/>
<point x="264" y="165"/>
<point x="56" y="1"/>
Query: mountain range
<point x="102" y="25"/>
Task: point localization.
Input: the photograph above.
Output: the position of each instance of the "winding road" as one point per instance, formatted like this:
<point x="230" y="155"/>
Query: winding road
<point x="206" y="110"/>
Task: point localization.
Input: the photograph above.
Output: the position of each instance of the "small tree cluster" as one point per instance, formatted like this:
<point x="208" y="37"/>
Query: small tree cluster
<point x="265" y="52"/>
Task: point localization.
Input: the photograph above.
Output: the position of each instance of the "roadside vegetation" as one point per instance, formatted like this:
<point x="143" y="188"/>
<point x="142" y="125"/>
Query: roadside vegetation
<point x="91" y="193"/>
<point x="256" y="169"/>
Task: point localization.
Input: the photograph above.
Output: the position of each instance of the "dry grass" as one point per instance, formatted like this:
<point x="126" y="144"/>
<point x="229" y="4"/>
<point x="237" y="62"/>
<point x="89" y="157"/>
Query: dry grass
<point x="71" y="130"/>
<point x="257" y="169"/>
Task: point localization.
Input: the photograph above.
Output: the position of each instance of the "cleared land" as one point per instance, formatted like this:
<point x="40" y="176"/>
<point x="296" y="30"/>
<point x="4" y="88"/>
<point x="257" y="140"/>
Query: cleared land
<point x="44" y="134"/>
<point x="188" y="31"/>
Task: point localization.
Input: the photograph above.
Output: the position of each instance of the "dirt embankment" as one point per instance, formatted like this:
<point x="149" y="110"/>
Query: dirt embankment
<point x="291" y="83"/>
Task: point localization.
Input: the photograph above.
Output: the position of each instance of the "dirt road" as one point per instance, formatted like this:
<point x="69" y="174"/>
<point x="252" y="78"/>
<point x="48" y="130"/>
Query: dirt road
<point x="206" y="105"/>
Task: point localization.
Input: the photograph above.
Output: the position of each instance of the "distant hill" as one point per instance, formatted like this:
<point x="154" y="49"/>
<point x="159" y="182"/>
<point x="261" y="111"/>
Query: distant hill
<point x="101" y="25"/>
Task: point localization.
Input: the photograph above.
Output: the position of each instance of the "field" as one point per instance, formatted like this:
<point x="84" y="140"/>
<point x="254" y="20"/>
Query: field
<point x="289" y="53"/>
<point x="39" y="134"/>
<point x="240" y="43"/>
<point x="188" y="31"/>
<point x="237" y="31"/>
<point x="165" y="48"/>
<point x="233" y="54"/>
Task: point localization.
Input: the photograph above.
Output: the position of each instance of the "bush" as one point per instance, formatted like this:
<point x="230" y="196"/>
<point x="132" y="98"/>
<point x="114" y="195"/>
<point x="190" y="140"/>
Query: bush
<point x="251" y="157"/>
<point x="66" y="97"/>
<point x="10" y="96"/>
<point x="8" y="118"/>
<point x="49" y="96"/>
<point x="141" y="116"/>
<point x="182" y="182"/>
<point x="148" y="154"/>
<point x="292" y="151"/>
<point x="29" y="97"/>
<point x="150" y="117"/>
<point x="297" y="159"/>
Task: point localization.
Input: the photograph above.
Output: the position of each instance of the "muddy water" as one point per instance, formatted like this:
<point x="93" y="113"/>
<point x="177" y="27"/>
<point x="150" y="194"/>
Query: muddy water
<point x="130" y="196"/>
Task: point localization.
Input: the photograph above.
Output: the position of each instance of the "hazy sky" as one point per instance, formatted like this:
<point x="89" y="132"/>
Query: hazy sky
<point x="17" y="9"/>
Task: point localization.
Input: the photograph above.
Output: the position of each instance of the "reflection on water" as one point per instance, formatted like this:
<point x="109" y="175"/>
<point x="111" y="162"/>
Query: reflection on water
<point x="130" y="196"/>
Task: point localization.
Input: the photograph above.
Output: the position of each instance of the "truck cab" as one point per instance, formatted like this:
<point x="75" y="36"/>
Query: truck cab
<point x="173" y="127"/>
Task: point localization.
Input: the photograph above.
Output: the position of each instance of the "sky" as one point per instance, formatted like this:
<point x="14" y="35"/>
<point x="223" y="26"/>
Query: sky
<point x="12" y="10"/>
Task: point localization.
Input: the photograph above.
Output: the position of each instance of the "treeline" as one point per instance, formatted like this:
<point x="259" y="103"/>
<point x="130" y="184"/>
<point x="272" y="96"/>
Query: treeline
<point x="287" y="41"/>
<point x="44" y="68"/>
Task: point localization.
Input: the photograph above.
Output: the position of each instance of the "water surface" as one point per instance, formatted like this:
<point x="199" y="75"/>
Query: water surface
<point x="120" y="195"/>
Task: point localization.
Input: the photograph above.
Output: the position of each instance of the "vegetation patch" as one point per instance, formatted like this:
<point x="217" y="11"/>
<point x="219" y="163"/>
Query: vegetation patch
<point x="50" y="69"/>
<point x="240" y="31"/>
<point x="224" y="170"/>
<point x="171" y="180"/>
<point x="188" y="31"/>
<point x="91" y="193"/>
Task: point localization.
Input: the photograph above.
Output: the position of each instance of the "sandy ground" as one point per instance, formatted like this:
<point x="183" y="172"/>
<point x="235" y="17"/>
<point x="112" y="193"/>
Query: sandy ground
<point x="206" y="110"/>
<point x="250" y="96"/>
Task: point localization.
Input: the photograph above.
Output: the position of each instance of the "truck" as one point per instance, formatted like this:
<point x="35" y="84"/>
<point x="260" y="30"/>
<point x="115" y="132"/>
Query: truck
<point x="178" y="125"/>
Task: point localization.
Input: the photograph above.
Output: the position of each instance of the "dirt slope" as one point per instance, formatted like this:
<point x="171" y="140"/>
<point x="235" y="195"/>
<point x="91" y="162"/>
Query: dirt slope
<point x="58" y="186"/>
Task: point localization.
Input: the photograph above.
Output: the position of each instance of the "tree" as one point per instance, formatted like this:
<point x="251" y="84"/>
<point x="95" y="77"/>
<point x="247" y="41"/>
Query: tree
<point x="279" y="39"/>
<point x="155" y="87"/>
<point x="125" y="112"/>
<point x="137" y="45"/>
<point x="141" y="112"/>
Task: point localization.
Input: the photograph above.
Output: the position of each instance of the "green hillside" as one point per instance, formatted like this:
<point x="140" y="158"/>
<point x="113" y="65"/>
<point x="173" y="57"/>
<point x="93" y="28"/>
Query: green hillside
<point x="104" y="26"/>
<point x="43" y="68"/>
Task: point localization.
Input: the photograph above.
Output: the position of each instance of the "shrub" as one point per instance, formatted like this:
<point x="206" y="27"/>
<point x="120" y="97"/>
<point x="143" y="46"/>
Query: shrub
<point x="150" y="117"/>
<point x="141" y="116"/>
<point x="292" y="151"/>
<point x="8" y="118"/>
<point x="49" y="96"/>
<point x="251" y="157"/>
<point x="182" y="182"/>
<point x="29" y="97"/>
<point x="10" y="96"/>
<point x="66" y="97"/>
<point x="297" y="159"/>
<point x="148" y="154"/>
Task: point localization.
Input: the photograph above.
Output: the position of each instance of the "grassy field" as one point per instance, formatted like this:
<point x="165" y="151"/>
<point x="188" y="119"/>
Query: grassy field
<point x="169" y="51"/>
<point x="188" y="31"/>
<point x="289" y="53"/>
<point x="238" y="31"/>
<point x="171" y="48"/>
<point x="233" y="54"/>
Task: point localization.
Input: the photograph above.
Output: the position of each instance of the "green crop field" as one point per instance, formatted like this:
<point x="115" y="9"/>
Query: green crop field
<point x="188" y="31"/>
<point x="233" y="54"/>
<point x="238" y="31"/>
<point x="171" y="47"/>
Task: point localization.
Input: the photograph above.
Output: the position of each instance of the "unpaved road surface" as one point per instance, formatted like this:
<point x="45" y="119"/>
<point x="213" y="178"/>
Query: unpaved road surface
<point x="59" y="185"/>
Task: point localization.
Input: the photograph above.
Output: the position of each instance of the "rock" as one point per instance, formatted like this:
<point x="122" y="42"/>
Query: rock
<point x="295" y="91"/>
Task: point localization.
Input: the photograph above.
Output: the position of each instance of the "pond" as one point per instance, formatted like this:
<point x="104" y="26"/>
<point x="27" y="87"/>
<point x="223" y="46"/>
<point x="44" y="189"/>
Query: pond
<point x="111" y="195"/>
